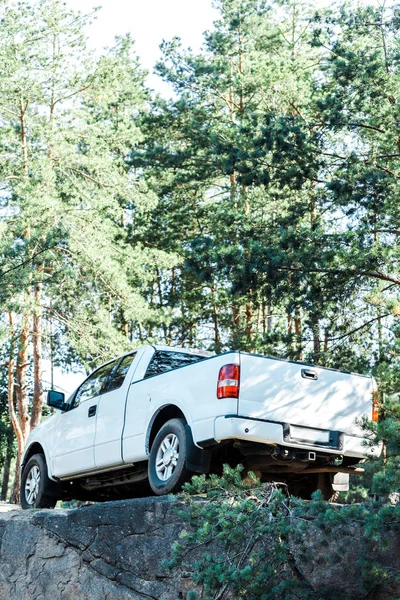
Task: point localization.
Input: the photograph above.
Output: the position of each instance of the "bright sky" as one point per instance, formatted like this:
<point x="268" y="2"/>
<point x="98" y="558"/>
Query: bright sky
<point x="149" y="22"/>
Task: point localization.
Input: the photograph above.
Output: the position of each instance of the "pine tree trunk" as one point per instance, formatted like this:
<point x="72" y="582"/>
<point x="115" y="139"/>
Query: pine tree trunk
<point x="297" y="329"/>
<point x="380" y="340"/>
<point x="15" y="494"/>
<point x="326" y="338"/>
<point x="249" y="322"/>
<point x="24" y="144"/>
<point x="20" y="418"/>
<point x="6" y="470"/>
<point x="316" y="340"/>
<point x="191" y="339"/>
<point x="160" y="300"/>
<point x="269" y="312"/>
<point x="51" y="353"/>
<point x="140" y="329"/>
<point x="37" y="358"/>
<point x="235" y="324"/>
<point x="258" y="319"/>
<point x="290" y="333"/>
<point x="217" y="337"/>
<point x="263" y="316"/>
<point x="11" y="404"/>
<point x="22" y="401"/>
<point x="124" y="324"/>
<point x="22" y="373"/>
<point x="379" y="320"/>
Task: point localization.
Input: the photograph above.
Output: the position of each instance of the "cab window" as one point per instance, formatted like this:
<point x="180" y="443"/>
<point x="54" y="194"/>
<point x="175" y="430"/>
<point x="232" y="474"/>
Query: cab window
<point x="120" y="373"/>
<point x="167" y="361"/>
<point x="94" y="384"/>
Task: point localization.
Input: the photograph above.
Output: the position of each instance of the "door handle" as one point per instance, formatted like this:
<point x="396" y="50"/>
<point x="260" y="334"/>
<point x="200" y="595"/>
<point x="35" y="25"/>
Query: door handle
<point x="309" y="374"/>
<point x="92" y="411"/>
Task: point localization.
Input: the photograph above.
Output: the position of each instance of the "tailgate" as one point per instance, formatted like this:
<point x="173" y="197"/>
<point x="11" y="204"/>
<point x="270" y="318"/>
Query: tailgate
<point x="305" y="395"/>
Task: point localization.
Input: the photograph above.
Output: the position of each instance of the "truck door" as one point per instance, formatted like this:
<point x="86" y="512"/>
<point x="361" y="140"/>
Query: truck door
<point x="75" y="432"/>
<point x="111" y="414"/>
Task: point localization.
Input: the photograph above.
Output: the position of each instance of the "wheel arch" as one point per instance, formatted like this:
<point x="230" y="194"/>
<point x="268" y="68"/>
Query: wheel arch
<point x="160" y="417"/>
<point x="36" y="447"/>
<point x="197" y="460"/>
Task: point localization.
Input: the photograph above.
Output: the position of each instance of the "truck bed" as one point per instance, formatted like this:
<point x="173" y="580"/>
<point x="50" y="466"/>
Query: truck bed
<point x="303" y="395"/>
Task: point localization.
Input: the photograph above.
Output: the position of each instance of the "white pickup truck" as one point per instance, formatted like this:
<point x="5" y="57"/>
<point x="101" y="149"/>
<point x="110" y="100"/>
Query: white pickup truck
<point x="153" y="417"/>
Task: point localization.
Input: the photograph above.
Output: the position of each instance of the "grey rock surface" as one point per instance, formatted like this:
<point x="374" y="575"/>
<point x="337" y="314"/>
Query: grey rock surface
<point x="116" y="551"/>
<point x="107" y="551"/>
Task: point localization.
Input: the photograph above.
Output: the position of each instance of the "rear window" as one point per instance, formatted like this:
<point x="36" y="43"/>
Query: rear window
<point x="168" y="361"/>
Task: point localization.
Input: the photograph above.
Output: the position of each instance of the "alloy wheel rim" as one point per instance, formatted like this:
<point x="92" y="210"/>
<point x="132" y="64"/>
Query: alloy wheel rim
<point x="167" y="457"/>
<point x="32" y="485"/>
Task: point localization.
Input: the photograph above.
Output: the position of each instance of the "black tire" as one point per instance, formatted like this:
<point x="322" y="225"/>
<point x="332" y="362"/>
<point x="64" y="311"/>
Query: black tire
<point x="172" y="431"/>
<point x="37" y="490"/>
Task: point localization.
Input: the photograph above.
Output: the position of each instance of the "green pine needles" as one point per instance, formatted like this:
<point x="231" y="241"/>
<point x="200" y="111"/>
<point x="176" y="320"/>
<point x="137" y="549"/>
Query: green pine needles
<point x="241" y="538"/>
<point x="250" y="540"/>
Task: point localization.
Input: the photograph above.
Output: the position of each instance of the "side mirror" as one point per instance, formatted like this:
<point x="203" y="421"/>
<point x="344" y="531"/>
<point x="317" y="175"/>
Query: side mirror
<point x="56" y="400"/>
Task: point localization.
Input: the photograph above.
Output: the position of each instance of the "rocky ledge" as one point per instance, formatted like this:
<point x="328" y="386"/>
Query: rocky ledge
<point x="109" y="551"/>
<point x="117" y="551"/>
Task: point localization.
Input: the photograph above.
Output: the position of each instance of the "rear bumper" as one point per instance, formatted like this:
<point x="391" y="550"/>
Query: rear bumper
<point x="272" y="433"/>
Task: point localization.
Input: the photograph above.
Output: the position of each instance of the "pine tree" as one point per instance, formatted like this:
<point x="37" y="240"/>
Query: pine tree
<point x="67" y="123"/>
<point x="232" y="157"/>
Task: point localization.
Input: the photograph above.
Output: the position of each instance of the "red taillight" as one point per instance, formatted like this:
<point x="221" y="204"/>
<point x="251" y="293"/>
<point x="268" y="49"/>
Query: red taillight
<point x="375" y="406"/>
<point x="228" y="382"/>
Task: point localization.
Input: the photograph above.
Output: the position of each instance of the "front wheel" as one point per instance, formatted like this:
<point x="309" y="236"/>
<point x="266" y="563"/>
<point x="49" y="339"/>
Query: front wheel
<point x="167" y="460"/>
<point x="36" y="487"/>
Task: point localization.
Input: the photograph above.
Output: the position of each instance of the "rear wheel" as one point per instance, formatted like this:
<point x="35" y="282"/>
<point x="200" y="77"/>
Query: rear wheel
<point x="167" y="460"/>
<point x="37" y="490"/>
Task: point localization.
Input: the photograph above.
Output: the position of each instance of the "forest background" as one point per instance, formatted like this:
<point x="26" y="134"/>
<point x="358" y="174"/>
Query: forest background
<point x="257" y="208"/>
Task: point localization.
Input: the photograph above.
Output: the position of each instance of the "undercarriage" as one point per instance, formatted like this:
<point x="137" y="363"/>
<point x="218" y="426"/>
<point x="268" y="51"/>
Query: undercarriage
<point x="302" y="471"/>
